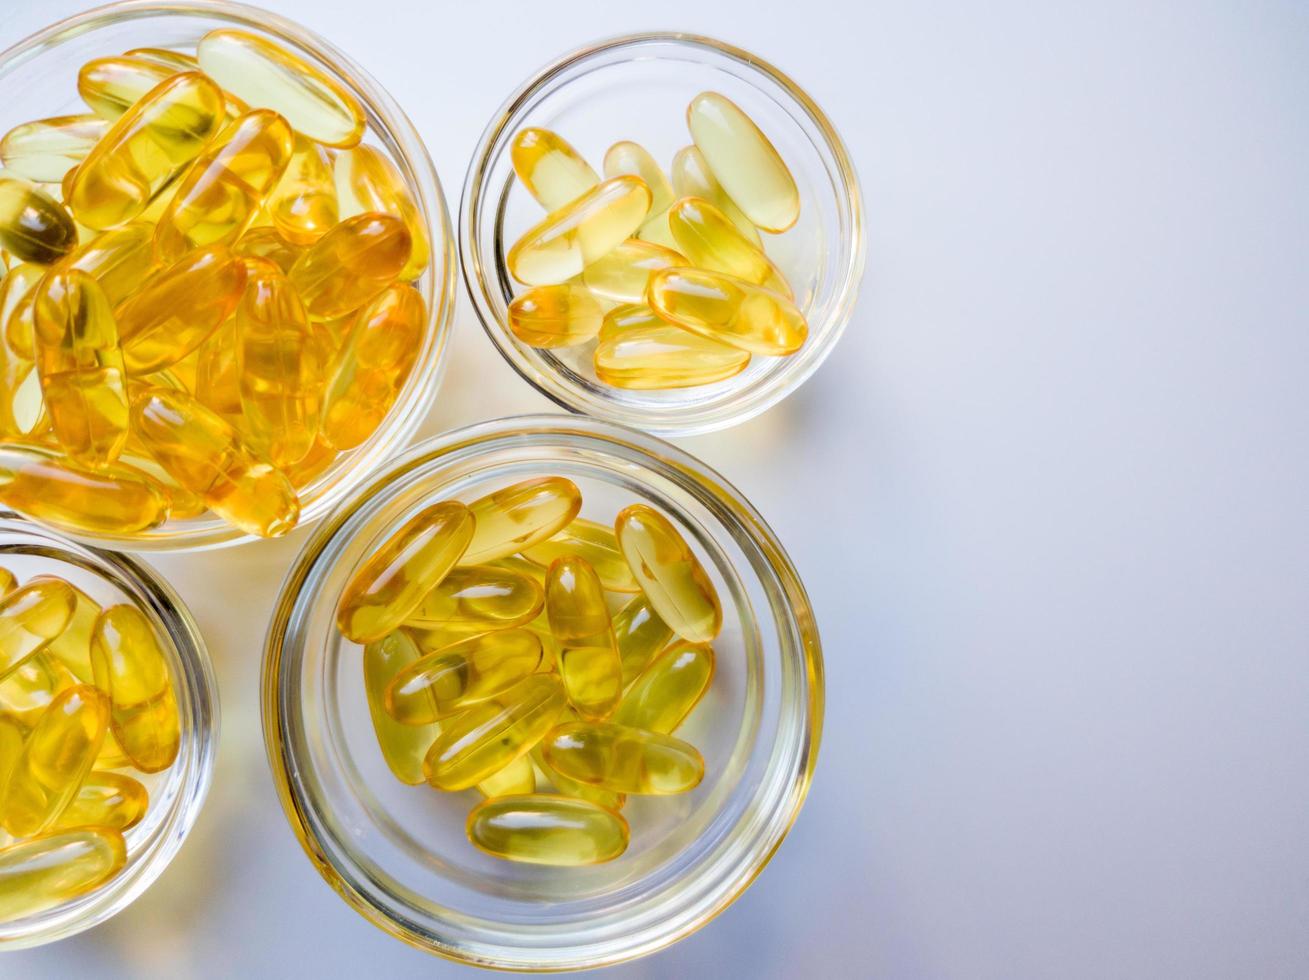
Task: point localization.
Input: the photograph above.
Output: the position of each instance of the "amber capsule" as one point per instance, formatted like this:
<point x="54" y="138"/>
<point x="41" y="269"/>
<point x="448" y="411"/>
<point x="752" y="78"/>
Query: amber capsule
<point x="218" y="372"/>
<point x="489" y="735"/>
<point x="730" y="310"/>
<point x="351" y="264"/>
<point x="693" y="178"/>
<point x="72" y="647"/>
<point x="132" y="669"/>
<point x="518" y="516"/>
<point x="367" y="181"/>
<point x="45" y="149"/>
<point x="668" y="689"/>
<point x="315" y="462"/>
<point x="555" y="316"/>
<point x="579" y="619"/>
<point x="119" y="260"/>
<point x="623" y="275"/>
<point x="32" y="616"/>
<point x="624" y="760"/>
<point x="34" y="227"/>
<point x="304" y="206"/>
<point x="627" y="157"/>
<point x="549" y="830"/>
<point x="265" y="243"/>
<point x="145" y="149"/>
<point x="708" y="238"/>
<point x="109" y="800"/>
<point x="403" y="746"/>
<point x="447" y="681"/>
<point x="569" y="239"/>
<point x="27" y="691"/>
<point x="265" y="75"/>
<point x="18" y="308"/>
<point x="640" y="634"/>
<point x="54" y="868"/>
<point x="478" y="598"/>
<point x="111" y="86"/>
<point x="413" y="560"/>
<point x="568" y="786"/>
<point x="641" y="351"/>
<point x="552" y="171"/>
<point x="593" y="542"/>
<point x="515" y="779"/>
<point x="669" y="573"/>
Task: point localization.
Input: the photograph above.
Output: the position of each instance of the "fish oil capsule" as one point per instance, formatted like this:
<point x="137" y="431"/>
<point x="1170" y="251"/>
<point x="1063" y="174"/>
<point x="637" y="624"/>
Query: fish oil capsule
<point x="22" y="408"/>
<point x="668" y="689"/>
<point x="641" y="351"/>
<point x="367" y="181"/>
<point x="446" y="681"/>
<point x="111" y="86"/>
<point x="491" y="734"/>
<point x="708" y="238"/>
<point x="595" y="544"/>
<point x="552" y="171"/>
<point x="109" y="800"/>
<point x="516" y="517"/>
<point x="110" y="500"/>
<point x="225" y="187"/>
<point x="729" y="310"/>
<point x="351" y="264"/>
<point x="81" y="367"/>
<point x="17" y="308"/>
<point x="403" y="746"/>
<point x="640" y="634"/>
<point x="218" y="373"/>
<point x="119" y="260"/>
<point x="316" y="462"/>
<point x="304" y="206"/>
<point x="478" y="598"/>
<point x="132" y="669"/>
<point x="693" y="178"/>
<point x="567" y="786"/>
<point x="54" y="868"/>
<point x="144" y="149"/>
<point x="626" y="760"/>
<point x="627" y="157"/>
<point x="550" y="830"/>
<point x="745" y="162"/>
<point x="623" y="275"/>
<point x="515" y="779"/>
<point x="11" y="746"/>
<point x="372" y="365"/>
<point x="266" y="243"/>
<point x="55" y="760"/>
<point x="555" y="316"/>
<point x="390" y="585"/>
<point x="569" y="239"/>
<point x="176" y="60"/>
<point x="45" y="149"/>
<point x="72" y="647"/>
<point x="27" y="691"/>
<point x="30" y="617"/>
<point x="669" y="574"/>
<point x="267" y="76"/>
<point x="579" y="619"/>
<point x="34" y="227"/>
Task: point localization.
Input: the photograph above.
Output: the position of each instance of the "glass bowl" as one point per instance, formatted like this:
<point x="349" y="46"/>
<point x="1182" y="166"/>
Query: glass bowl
<point x="397" y="854"/>
<point x="637" y="87"/>
<point x="38" y="79"/>
<point x="178" y="792"/>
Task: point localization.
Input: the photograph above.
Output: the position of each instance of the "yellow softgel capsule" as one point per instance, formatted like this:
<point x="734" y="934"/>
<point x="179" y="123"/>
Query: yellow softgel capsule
<point x="111" y="86"/>
<point x="403" y="746"/>
<point x="745" y="162"/>
<point x="479" y="598"/>
<point x="516" y="517"/>
<point x="72" y="647"/>
<point x="579" y="619"/>
<point x="515" y="779"/>
<point x="555" y="316"/>
<point x="569" y="239"/>
<point x="18" y="308"/>
<point x="708" y="238"/>
<point x="595" y="544"/>
<point x="45" y="149"/>
<point x="551" y="830"/>
<point x="729" y="310"/>
<point x="412" y="562"/>
<point x="34" y="227"/>
<point x="32" y="616"/>
<point x="27" y="691"/>
<point x="131" y="668"/>
<point x="491" y="734"/>
<point x="109" y="800"/>
<point x="624" y="760"/>
<point x="668" y="689"/>
<point x="144" y="149"/>
<point x="265" y="75"/>
<point x="448" y="680"/>
<point x="119" y="260"/>
<point x="304" y="206"/>
<point x="11" y="747"/>
<point x="109" y="500"/>
<point x="218" y="373"/>
<point x="640" y="634"/>
<point x="568" y="786"/>
<point x="351" y="264"/>
<point x="367" y="181"/>
<point x="641" y="351"/>
<point x="266" y="243"/>
<point x="627" y="157"/>
<point x="692" y="178"/>
<point x="669" y="573"/>
<point x="623" y="275"/>
<point x="552" y="171"/>
<point x="49" y="870"/>
<point x="315" y="463"/>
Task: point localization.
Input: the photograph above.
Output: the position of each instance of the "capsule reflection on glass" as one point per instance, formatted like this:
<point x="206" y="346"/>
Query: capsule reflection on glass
<point x="627" y="157"/>
<point x="550" y="830"/>
<point x="552" y="171"/>
<point x="109" y="800"/>
<point x="43" y="872"/>
<point x="367" y="181"/>
<point x="32" y="616"/>
<point x="448" y="680"/>
<point x="625" y="760"/>
<point x="111" y="86"/>
<point x="515" y="779"/>
<point x="640" y="634"/>
<point x="708" y="238"/>
<point x="668" y="689"/>
<point x="579" y="619"/>
<point x="351" y="264"/>
<point x="304" y="207"/>
<point x="641" y="351"/>
<point x="555" y="316"/>
<point x="403" y="746"/>
<point x="132" y="669"/>
<point x="669" y="574"/>
<point x="729" y="310"/>
<point x="592" y="542"/>
<point x="623" y="275"/>
<point x="110" y="500"/>
<point x="45" y="149"/>
<point x="34" y="227"/>
<point x="119" y="260"/>
<point x="693" y="178"/>
<point x="516" y="517"/>
<point x="478" y="598"/>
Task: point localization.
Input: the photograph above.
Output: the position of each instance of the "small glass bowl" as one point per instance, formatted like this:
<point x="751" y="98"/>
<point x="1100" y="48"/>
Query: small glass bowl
<point x="638" y="87"/>
<point x="177" y="793"/>
<point x="398" y="853"/>
<point x="38" y="79"/>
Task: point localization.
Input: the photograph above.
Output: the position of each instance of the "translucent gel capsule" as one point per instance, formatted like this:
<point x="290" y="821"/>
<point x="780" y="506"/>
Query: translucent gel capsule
<point x="640" y="634"/>
<point x="728" y="310"/>
<point x="145" y="149"/>
<point x="109" y="800"/>
<point x="55" y="868"/>
<point x="669" y="573"/>
<point x="488" y="736"/>
<point x="446" y="681"/>
<point x="552" y="171"/>
<point x="265" y="75"/>
<point x="351" y="264"/>
<point x="632" y="158"/>
<point x="515" y="779"/>
<point x="316" y="462"/>
<point x="34" y="227"/>
<point x="22" y="408"/>
<point x="569" y="239"/>
<point x="567" y="786"/>
<point x="592" y="542"/>
<point x="668" y="689"/>
<point x="45" y="149"/>
<point x="30" y="617"/>
<point x="27" y="691"/>
<point x="623" y="274"/>
<point x="478" y="598"/>
<point x="625" y="760"/>
<point x="555" y="316"/>
<point x="367" y="181"/>
<point x="519" y="516"/>
<point x="225" y="187"/>
<point x="641" y="351"/>
<point x="745" y="162"/>
<point x="579" y="619"/>
<point x="81" y="367"/>
<point x="403" y="746"/>
<point x="265" y="243"/>
<point x="550" y="830"/>
<point x="708" y="238"/>
<point x="176" y="60"/>
<point x="693" y="178"/>
<point x="18" y="308"/>
<point x="304" y="206"/>
<point x="11" y="747"/>
<point x="390" y="585"/>
<point x="218" y="372"/>
<point x="119" y="260"/>
<point x="181" y="503"/>
<point x="110" y="500"/>
<point x="55" y="760"/>
<point x="111" y="86"/>
<point x="132" y="669"/>
<point x="72" y="647"/>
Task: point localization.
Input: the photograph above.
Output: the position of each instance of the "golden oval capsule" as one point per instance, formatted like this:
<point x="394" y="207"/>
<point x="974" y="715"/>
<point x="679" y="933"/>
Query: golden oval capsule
<point x="27" y="691"/>
<point x="516" y="517"/>
<point x="668" y="689"/>
<point x="592" y="542"/>
<point x="567" y="786"/>
<point x="304" y="206"/>
<point x="403" y="746"/>
<point x="641" y="351"/>
<point x="131" y="668"/>
<point x="413" y="560"/>
<point x="692" y="178"/>
<point x="109" y="800"/>
<point x="708" y="238"/>
<point x="623" y="275"/>
<point x="265" y="75"/>
<point x="569" y="239"/>
<point x="351" y="264"/>
<point x="45" y="149"/>
<point x="111" y="86"/>
<point x="478" y="598"/>
<point x="34" y="227"/>
<point x="625" y="760"/>
<point x="448" y="680"/>
<point x="550" y="830"/>
<point x="627" y="157"/>
<point x="515" y="779"/>
<point x="640" y="634"/>
<point x="18" y="308"/>
<point x="579" y="619"/>
<point x="669" y="573"/>
<point x="367" y="181"/>
<point x="555" y="316"/>
<point x="729" y="310"/>
<point x="54" y="868"/>
<point x="745" y="162"/>
<point x="266" y="243"/>
<point x="72" y="647"/>
<point x="552" y="171"/>
<point x="32" y="616"/>
<point x="119" y="260"/>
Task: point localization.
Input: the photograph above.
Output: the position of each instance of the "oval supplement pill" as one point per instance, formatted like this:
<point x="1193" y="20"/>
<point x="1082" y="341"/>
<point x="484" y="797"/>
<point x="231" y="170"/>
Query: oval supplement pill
<point x="729" y="310"/>
<point x="519" y="516"/>
<point x="669" y="573"/>
<point x="43" y="872"/>
<point x="552" y="830"/>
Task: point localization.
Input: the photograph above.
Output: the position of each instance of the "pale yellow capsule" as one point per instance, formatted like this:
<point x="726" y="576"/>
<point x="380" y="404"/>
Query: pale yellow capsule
<point x="32" y="616"/>
<point x="627" y="157"/>
<point x="668" y="689"/>
<point x="54" y="868"/>
<point x="109" y="800"/>
<point x="641" y="351"/>
<point x="479" y="598"/>
<point x="515" y="779"/>
<point x="131" y="667"/>
<point x="625" y="760"/>
<point x="623" y="275"/>
<point x="729" y="310"/>
<point x="18" y="308"/>
<point x="567" y="786"/>
<point x="669" y="573"/>
<point x="403" y="746"/>
<point x="45" y="149"/>
<point x="516" y="517"/>
<point x="448" y="680"/>
<point x="592" y="542"/>
<point x="27" y="691"/>
<point x="708" y="238"/>
<point x="693" y="178"/>
<point x="34" y="227"/>
<point x="111" y="86"/>
<point x="640" y="634"/>
<point x="579" y="619"/>
<point x="73" y="644"/>
<point x="555" y="316"/>
<point x="304" y="206"/>
<point x="367" y="181"/>
<point x="552" y="171"/>
<point x="549" y="830"/>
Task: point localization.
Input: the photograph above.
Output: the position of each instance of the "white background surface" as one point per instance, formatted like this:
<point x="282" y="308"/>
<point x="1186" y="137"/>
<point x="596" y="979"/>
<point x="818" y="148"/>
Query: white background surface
<point x="1049" y="497"/>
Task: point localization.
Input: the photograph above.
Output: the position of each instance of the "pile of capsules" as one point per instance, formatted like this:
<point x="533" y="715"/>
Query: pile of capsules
<point x="84" y="692"/>
<point x="491" y="660"/>
<point x="207" y="295"/>
<point x="671" y="277"/>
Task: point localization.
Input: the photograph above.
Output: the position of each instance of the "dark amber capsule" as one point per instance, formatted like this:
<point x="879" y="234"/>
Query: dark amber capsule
<point x="34" y="227"/>
<point x="351" y="264"/>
